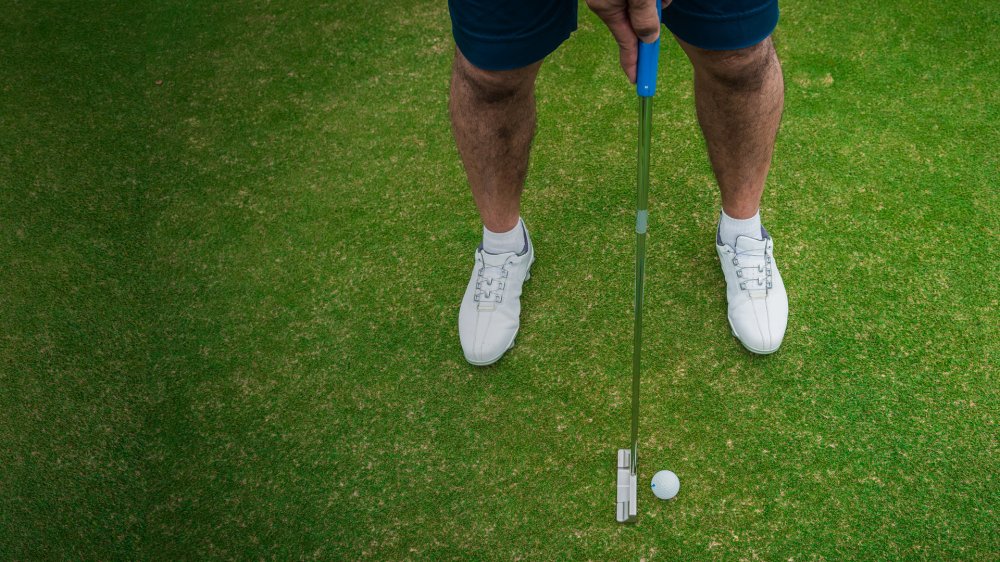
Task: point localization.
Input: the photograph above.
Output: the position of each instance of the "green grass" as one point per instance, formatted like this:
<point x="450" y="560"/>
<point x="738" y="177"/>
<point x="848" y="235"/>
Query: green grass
<point x="229" y="299"/>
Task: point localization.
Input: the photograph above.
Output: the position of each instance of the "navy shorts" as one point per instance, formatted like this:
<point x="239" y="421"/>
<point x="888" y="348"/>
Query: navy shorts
<point x="506" y="34"/>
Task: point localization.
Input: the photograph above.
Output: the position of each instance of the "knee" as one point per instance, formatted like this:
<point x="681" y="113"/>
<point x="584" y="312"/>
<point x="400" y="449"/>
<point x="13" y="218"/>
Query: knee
<point x="743" y="70"/>
<point x="493" y="86"/>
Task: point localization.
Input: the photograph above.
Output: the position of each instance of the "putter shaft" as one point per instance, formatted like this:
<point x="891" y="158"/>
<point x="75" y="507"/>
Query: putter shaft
<point x="641" y="219"/>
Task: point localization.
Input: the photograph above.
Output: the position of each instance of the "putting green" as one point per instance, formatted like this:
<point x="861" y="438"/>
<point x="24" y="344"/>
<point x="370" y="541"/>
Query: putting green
<point x="235" y="237"/>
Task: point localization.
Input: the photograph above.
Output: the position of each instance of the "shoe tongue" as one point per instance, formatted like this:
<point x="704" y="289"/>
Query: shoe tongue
<point x="746" y="243"/>
<point x="495" y="260"/>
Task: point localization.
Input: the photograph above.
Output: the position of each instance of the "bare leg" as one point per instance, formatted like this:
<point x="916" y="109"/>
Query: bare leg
<point x="493" y="119"/>
<point x="739" y="96"/>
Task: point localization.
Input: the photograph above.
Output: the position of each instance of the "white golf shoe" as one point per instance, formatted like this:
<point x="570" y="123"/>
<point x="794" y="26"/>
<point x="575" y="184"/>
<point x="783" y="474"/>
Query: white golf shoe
<point x="758" y="303"/>
<point x="491" y="308"/>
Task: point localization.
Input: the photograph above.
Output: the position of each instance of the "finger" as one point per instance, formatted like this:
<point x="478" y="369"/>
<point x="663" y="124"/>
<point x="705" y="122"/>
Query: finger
<point x="629" y="60"/>
<point x="628" y="53"/>
<point x="645" y="21"/>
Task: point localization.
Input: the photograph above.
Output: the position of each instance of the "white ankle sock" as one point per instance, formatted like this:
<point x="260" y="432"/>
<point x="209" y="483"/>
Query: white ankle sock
<point x="730" y="229"/>
<point x="514" y="240"/>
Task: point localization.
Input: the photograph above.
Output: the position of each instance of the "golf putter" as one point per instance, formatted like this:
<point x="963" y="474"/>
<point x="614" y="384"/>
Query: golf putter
<point x="628" y="459"/>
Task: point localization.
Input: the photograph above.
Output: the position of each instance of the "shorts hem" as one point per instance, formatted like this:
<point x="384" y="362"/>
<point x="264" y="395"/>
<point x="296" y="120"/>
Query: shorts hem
<point x="723" y="33"/>
<point x="508" y="53"/>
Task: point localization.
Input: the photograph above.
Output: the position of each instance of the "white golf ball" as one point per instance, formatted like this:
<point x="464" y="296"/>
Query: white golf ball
<point x="665" y="484"/>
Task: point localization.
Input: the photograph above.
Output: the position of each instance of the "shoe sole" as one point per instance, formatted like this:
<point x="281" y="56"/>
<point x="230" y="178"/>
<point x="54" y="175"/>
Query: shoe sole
<point x="750" y="349"/>
<point x="527" y="277"/>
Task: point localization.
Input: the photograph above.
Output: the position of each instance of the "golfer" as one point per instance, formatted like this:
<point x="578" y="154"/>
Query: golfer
<point x="739" y="94"/>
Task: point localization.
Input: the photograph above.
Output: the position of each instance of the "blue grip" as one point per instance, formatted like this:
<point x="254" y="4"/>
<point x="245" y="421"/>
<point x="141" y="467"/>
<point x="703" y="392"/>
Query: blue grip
<point x="649" y="54"/>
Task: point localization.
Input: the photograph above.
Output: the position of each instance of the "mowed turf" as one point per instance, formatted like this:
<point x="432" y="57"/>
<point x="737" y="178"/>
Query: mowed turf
<point x="235" y="237"/>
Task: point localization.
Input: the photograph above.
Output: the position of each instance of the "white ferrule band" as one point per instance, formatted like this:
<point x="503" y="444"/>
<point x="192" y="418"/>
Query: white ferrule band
<point x="641" y="217"/>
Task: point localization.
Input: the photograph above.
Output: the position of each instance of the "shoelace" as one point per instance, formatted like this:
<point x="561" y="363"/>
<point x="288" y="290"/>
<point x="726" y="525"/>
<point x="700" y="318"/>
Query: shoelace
<point x="490" y="282"/>
<point x="754" y="271"/>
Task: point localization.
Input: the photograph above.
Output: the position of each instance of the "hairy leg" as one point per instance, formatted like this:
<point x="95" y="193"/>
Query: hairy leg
<point x="739" y="96"/>
<point x="493" y="119"/>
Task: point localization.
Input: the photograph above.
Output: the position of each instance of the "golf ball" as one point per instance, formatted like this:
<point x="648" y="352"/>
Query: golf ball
<point x="665" y="484"/>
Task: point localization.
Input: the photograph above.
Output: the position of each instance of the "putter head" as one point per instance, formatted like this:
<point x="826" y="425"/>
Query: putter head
<point x="626" y="487"/>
